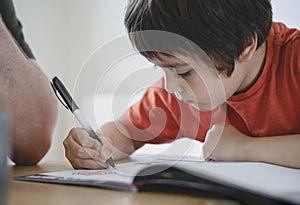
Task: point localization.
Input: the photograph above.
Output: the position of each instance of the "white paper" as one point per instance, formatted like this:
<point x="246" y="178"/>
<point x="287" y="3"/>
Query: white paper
<point x="275" y="181"/>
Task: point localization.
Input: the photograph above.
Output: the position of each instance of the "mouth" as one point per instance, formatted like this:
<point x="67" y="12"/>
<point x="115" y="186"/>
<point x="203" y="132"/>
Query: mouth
<point x="193" y="103"/>
<point x="190" y="102"/>
<point x="199" y="106"/>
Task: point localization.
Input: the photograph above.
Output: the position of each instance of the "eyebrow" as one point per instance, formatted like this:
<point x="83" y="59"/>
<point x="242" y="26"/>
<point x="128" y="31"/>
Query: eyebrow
<point x="172" y="66"/>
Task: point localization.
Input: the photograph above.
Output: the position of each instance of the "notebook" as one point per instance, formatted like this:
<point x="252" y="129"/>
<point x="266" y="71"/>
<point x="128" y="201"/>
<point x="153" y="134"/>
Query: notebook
<point x="248" y="183"/>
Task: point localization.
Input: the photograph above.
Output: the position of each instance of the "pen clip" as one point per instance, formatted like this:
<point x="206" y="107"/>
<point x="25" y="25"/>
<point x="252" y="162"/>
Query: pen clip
<point x="63" y="95"/>
<point x="59" y="96"/>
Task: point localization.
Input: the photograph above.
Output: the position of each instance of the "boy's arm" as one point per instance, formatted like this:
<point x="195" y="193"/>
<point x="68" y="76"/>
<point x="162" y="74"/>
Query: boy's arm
<point x="121" y="142"/>
<point x="280" y="150"/>
<point x="232" y="145"/>
<point x="84" y="152"/>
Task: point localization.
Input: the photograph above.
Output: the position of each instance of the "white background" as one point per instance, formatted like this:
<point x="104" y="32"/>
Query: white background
<point x="64" y="33"/>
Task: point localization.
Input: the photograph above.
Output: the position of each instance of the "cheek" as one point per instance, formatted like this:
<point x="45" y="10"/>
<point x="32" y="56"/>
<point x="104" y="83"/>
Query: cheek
<point x="207" y="92"/>
<point x="197" y="90"/>
<point x="229" y="87"/>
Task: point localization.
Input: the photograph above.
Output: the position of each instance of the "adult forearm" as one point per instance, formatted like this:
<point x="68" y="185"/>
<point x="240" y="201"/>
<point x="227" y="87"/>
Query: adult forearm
<point x="280" y="150"/>
<point x="32" y="109"/>
<point x="27" y="98"/>
<point x="35" y="117"/>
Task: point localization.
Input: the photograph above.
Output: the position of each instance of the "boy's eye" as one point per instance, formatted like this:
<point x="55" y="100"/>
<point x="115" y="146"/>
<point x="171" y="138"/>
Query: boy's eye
<point x="184" y="74"/>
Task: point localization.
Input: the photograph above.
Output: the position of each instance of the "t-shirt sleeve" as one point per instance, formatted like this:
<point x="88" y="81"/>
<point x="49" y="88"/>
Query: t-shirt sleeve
<point x="160" y="118"/>
<point x="293" y="51"/>
<point x="9" y="17"/>
<point x="154" y="118"/>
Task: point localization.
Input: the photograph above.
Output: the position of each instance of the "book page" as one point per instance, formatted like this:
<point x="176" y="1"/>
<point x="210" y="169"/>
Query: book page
<point x="277" y="181"/>
<point x="270" y="180"/>
<point x="181" y="148"/>
<point x="124" y="173"/>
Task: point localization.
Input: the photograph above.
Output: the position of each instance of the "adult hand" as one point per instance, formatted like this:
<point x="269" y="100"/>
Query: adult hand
<point x="225" y="143"/>
<point x="85" y="152"/>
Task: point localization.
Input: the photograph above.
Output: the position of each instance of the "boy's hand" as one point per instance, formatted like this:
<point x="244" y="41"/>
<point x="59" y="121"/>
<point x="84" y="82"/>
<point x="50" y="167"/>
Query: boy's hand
<point x="224" y="143"/>
<point x="84" y="152"/>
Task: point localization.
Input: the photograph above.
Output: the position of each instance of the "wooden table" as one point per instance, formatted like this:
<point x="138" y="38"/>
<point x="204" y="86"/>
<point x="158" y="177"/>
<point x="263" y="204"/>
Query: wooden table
<point x="31" y="193"/>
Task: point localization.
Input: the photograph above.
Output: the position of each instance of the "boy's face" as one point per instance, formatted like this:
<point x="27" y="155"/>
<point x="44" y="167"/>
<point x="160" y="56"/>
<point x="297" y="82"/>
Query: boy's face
<point x="194" y="82"/>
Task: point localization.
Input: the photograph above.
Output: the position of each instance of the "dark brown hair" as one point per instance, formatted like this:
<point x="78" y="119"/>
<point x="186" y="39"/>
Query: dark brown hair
<point x="221" y="28"/>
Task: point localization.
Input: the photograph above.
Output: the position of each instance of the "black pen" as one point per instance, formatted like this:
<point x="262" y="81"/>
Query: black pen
<point x="66" y="99"/>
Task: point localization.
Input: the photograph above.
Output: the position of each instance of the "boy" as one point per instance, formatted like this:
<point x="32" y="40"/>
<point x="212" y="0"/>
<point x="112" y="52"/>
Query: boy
<point x="243" y="102"/>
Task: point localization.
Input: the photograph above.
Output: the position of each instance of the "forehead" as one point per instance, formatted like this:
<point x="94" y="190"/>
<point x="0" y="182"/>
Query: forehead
<point x="203" y="67"/>
<point x="168" y="60"/>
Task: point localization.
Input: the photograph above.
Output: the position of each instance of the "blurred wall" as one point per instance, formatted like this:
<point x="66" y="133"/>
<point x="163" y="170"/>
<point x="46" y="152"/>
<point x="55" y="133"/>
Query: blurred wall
<point x="84" y="43"/>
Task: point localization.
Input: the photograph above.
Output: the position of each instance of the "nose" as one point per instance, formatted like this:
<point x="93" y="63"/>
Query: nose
<point x="173" y="87"/>
<point x="172" y="83"/>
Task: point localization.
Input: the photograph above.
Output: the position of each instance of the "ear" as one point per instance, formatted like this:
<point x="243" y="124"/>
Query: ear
<point x="248" y="51"/>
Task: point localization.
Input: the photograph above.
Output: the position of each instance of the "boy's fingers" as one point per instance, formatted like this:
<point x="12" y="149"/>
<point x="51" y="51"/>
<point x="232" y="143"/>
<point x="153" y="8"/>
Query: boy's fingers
<point x="212" y="139"/>
<point x="83" y="139"/>
<point x="72" y="146"/>
<point x="81" y="150"/>
<point x="81" y="157"/>
<point x="87" y="164"/>
<point x="106" y="152"/>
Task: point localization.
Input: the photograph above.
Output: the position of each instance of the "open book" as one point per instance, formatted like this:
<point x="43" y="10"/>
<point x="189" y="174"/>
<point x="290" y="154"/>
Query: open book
<point x="249" y="183"/>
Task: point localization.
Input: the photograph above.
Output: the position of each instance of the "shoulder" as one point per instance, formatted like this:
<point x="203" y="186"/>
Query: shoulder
<point x="281" y="35"/>
<point x="284" y="43"/>
<point x="12" y="23"/>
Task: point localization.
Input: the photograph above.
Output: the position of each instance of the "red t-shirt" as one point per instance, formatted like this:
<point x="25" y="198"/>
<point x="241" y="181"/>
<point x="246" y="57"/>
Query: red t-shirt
<point x="271" y="107"/>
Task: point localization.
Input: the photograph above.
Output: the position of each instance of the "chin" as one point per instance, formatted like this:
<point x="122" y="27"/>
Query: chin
<point x="203" y="107"/>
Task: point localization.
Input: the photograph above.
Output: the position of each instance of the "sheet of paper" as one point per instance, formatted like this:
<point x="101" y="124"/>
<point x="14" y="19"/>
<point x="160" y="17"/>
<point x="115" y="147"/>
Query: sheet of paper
<point x="124" y="173"/>
<point x="276" y="181"/>
<point x="180" y="148"/>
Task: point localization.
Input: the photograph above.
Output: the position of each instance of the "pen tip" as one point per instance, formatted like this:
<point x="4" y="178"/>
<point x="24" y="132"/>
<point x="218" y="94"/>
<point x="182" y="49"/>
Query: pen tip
<point x="111" y="163"/>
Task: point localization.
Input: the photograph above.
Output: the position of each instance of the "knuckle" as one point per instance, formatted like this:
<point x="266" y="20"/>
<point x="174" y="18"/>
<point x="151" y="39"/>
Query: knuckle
<point x="87" y="164"/>
<point x="66" y="142"/>
<point x="84" y="141"/>
<point x="67" y="156"/>
<point x="81" y="153"/>
<point x="73" y="131"/>
<point x="79" y="164"/>
<point x="94" y="154"/>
